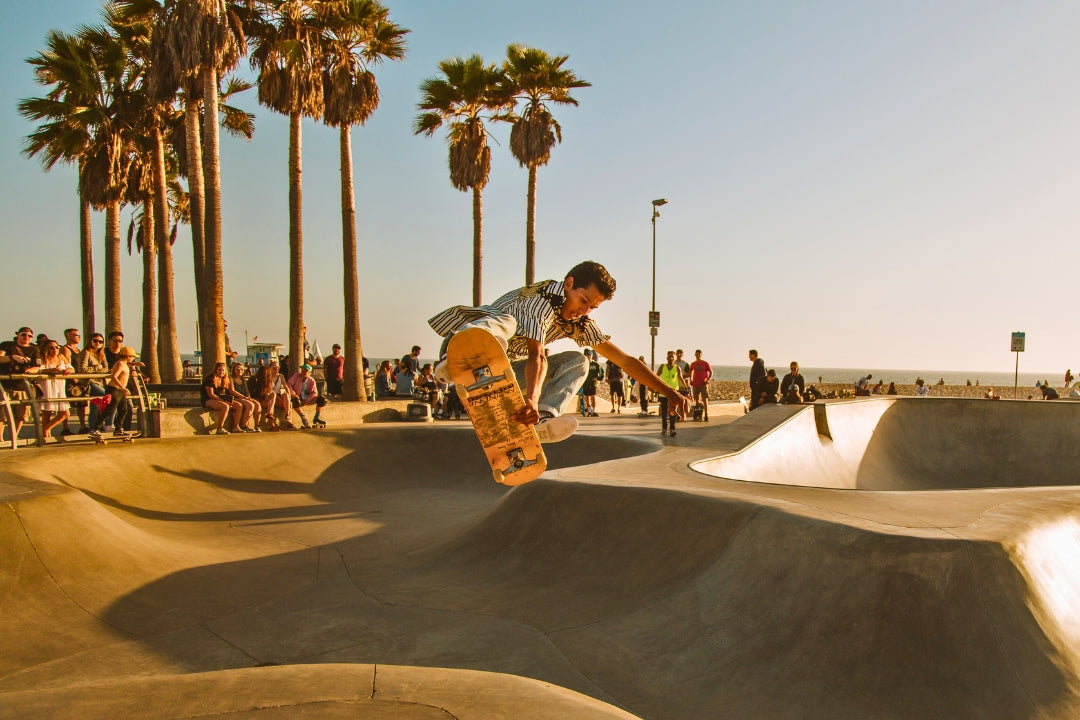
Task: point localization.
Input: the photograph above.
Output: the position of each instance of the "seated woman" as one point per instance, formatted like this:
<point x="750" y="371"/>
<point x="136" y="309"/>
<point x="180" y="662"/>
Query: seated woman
<point x="428" y="382"/>
<point x="273" y="392"/>
<point x="54" y="365"/>
<point x="244" y="394"/>
<point x="384" y="380"/>
<point x="219" y="397"/>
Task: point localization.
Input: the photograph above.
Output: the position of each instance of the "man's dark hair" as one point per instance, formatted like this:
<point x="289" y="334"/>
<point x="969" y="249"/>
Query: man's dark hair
<point x="593" y="273"/>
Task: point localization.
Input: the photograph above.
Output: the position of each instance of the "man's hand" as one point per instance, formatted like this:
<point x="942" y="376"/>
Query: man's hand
<point x="528" y="415"/>
<point x="680" y="404"/>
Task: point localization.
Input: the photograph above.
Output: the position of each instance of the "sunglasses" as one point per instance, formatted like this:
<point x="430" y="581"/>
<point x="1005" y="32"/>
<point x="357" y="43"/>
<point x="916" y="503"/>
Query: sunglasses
<point x="26" y="334"/>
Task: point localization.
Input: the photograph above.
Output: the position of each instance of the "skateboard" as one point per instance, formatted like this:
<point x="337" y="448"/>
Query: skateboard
<point x="485" y="383"/>
<point x="127" y="438"/>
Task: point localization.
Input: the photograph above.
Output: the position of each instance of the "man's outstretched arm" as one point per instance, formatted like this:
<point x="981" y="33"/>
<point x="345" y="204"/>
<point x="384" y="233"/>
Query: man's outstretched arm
<point x="641" y="372"/>
<point x="535" y="372"/>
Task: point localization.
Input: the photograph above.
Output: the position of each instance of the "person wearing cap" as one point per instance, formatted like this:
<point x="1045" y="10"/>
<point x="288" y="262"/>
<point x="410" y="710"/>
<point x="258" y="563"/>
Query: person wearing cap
<point x="117" y="387"/>
<point x="305" y="393"/>
<point x="16" y="357"/>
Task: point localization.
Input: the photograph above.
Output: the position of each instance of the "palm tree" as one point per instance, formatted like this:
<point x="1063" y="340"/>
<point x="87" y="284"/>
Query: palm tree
<point x="360" y="36"/>
<point x="205" y="39"/>
<point x="65" y="136"/>
<point x="467" y="90"/>
<point x="286" y="55"/>
<point x="536" y="79"/>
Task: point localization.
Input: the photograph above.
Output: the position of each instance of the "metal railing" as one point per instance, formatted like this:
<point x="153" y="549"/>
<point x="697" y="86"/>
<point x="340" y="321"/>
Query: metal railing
<point x="35" y="398"/>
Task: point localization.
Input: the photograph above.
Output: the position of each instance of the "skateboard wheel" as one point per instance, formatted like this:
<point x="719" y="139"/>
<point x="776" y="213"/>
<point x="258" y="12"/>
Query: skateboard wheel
<point x="499" y="477"/>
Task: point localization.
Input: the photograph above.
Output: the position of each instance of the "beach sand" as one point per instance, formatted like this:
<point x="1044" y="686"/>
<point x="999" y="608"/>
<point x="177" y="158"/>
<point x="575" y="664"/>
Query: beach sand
<point x="732" y="390"/>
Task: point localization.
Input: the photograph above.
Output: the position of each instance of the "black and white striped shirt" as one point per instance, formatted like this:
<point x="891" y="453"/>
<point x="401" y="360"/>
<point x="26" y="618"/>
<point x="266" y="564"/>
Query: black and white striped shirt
<point x="536" y="308"/>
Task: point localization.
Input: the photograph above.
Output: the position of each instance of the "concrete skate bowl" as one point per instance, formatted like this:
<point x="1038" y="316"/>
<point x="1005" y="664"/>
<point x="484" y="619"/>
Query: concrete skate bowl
<point x="379" y="573"/>
<point x="914" y="444"/>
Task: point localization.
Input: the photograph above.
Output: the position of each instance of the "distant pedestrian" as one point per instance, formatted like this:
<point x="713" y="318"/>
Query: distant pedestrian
<point x="1068" y="378"/>
<point x="757" y="376"/>
<point x="671" y="374"/>
<point x="700" y="374"/>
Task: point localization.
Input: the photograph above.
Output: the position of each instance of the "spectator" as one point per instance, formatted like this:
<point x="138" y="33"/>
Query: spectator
<point x="642" y="391"/>
<point x="304" y="393"/>
<point x="616" y="386"/>
<point x="685" y="367"/>
<point x="892" y="389"/>
<point x="793" y="386"/>
<point x="405" y="379"/>
<point x="271" y="388"/>
<point x="218" y="396"/>
<point x="921" y="388"/>
<point x="119" y="407"/>
<point x="113" y="347"/>
<point x="90" y="361"/>
<point x="71" y="348"/>
<point x="862" y="385"/>
<point x="334" y="367"/>
<point x="671" y="374"/>
<point x="70" y="352"/>
<point x="700" y="374"/>
<point x="190" y="371"/>
<point x="879" y="388"/>
<point x="16" y="357"/>
<point x="588" y="388"/>
<point x="768" y="388"/>
<point x="428" y="382"/>
<point x="991" y="395"/>
<point x="412" y="360"/>
<point x="54" y="411"/>
<point x="757" y="376"/>
<point x="384" y="380"/>
<point x="242" y="387"/>
<point x="1048" y="393"/>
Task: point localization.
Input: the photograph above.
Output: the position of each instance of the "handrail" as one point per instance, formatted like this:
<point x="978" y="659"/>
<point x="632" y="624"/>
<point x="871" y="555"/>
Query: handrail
<point x="31" y="389"/>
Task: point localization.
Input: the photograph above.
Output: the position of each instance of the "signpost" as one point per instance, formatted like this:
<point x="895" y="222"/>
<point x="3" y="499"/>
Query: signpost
<point x="1017" y="347"/>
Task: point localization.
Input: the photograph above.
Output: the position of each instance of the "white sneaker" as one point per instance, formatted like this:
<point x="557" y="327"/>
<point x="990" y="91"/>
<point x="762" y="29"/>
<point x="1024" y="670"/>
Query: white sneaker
<point x="556" y="429"/>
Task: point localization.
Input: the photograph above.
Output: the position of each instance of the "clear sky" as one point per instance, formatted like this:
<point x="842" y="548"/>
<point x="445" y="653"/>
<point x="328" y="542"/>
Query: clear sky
<point x="850" y="184"/>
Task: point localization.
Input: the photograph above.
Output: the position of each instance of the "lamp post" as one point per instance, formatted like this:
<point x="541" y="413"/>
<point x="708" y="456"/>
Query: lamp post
<point x="654" y="317"/>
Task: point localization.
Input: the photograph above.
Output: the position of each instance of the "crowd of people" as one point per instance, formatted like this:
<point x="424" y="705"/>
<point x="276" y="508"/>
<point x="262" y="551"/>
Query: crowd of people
<point x="245" y="400"/>
<point x="104" y="398"/>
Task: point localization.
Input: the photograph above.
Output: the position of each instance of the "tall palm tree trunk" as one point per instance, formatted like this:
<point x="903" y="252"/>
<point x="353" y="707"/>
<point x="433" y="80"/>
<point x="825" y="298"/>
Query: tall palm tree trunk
<point x="86" y="268"/>
<point x="197" y="193"/>
<point x="530" y="228"/>
<point x="353" y="388"/>
<point x="113" y="321"/>
<point x="169" y="366"/>
<point x="214" y="286"/>
<point x="148" y="352"/>
<point x="478" y="250"/>
<point x="296" y="245"/>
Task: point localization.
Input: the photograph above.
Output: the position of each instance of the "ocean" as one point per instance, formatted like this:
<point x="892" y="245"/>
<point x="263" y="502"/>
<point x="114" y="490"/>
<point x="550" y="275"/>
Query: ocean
<point x="850" y="375"/>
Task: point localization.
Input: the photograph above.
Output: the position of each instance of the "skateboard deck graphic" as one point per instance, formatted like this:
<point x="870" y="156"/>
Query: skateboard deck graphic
<point x="489" y="391"/>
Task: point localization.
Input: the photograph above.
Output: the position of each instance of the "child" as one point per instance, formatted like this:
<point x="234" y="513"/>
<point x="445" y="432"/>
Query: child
<point x="525" y="320"/>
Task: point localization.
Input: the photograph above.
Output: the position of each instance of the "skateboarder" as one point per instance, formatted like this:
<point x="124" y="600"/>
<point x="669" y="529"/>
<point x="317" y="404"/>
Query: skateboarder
<point x="526" y="320"/>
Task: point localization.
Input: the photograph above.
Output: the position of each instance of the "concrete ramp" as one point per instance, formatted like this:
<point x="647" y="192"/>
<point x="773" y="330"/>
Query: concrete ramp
<point x="914" y="444"/>
<point x="379" y="573"/>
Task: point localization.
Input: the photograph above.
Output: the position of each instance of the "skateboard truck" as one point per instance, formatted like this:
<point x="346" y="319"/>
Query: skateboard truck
<point x="484" y="377"/>
<point x="518" y="461"/>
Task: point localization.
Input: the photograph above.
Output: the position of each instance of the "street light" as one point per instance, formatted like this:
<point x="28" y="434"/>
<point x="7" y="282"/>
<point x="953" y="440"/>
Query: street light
<point x="654" y="317"/>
